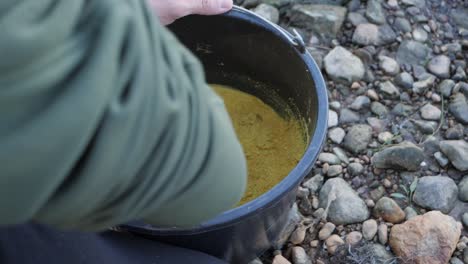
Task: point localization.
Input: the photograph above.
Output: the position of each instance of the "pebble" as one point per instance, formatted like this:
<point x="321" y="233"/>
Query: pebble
<point x="465" y="219"/>
<point x="410" y="212"/>
<point x="335" y="105"/>
<point x="377" y="193"/>
<point x="357" y="138"/>
<point x="389" y="90"/>
<point x="360" y="102"/>
<point x="455" y="132"/>
<point x="385" y="137"/>
<point x="430" y="112"/>
<point x="314" y="184"/>
<point x="369" y="229"/>
<point x="333" y="242"/>
<point x="268" y="12"/>
<point x="314" y="243"/>
<point x="459" y="108"/>
<point x="334" y="170"/>
<point x="298" y="236"/>
<point x="455" y="260"/>
<point x="353" y="238"/>
<point x="372" y="94"/>
<point x="326" y="231"/>
<point x="299" y="256"/>
<point x="336" y="135"/>
<point x="342" y="65"/>
<point x="440" y="66"/>
<point x="355" y="168"/>
<point x="332" y="118"/>
<point x="463" y="189"/>
<point x="256" y="261"/>
<point x="341" y="154"/>
<point x="445" y="87"/>
<point x="370" y="203"/>
<point x="379" y="109"/>
<point x="402" y="24"/>
<point x="419" y="34"/>
<point x="412" y="52"/>
<point x="457" y="153"/>
<point x="436" y="193"/>
<point x="348" y="116"/>
<point x="374" y="12"/>
<point x="382" y="234"/>
<point x="329" y="158"/>
<point x="441" y="159"/>
<point x="389" y="210"/>
<point x="404" y="80"/>
<point x="389" y="65"/>
<point x="426" y="82"/>
<point x="279" y="259"/>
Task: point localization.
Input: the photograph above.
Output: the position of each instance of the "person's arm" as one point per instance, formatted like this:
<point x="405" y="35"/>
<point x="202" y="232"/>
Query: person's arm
<point x="106" y="118"/>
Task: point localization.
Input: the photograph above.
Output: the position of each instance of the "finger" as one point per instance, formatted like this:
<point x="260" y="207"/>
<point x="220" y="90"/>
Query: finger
<point x="211" y="7"/>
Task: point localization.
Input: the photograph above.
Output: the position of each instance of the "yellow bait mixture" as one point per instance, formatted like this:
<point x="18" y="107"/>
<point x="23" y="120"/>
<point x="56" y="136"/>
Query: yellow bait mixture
<point x="272" y="145"/>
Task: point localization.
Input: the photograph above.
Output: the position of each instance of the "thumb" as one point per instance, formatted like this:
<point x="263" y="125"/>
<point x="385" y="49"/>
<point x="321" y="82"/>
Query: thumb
<point x="211" y="7"/>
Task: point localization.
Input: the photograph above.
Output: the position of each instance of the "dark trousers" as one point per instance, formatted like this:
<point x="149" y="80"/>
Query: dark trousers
<point x="37" y="244"/>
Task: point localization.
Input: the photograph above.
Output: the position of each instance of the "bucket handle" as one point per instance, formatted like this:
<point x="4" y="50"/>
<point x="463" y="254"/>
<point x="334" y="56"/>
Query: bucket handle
<point x="296" y="40"/>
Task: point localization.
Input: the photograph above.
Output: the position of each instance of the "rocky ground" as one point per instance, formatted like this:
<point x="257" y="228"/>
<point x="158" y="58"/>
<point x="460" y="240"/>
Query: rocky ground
<point x="391" y="185"/>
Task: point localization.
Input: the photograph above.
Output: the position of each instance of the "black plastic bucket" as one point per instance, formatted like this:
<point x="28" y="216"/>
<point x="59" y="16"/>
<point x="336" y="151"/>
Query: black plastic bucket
<point x="242" y="50"/>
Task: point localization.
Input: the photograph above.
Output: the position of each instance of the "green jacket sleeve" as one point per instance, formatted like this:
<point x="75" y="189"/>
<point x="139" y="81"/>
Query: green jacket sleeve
<point x="106" y="118"/>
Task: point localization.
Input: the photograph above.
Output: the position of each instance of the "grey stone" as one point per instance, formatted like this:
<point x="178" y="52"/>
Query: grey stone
<point x="404" y="156"/>
<point x="430" y="112"/>
<point x="334" y="170"/>
<point x="404" y="80"/>
<point x="329" y="158"/>
<point x="345" y="205"/>
<point x="336" y="135"/>
<point x="369" y="34"/>
<point x="418" y="3"/>
<point x="402" y="24"/>
<point x="299" y="256"/>
<point x="459" y="108"/>
<point x="348" y="116"/>
<point x="455" y="260"/>
<point x="323" y="20"/>
<point x="459" y="16"/>
<point x="401" y="109"/>
<point x="426" y="127"/>
<point x="314" y="184"/>
<point x="360" y="102"/>
<point x="465" y="219"/>
<point x="457" y="153"/>
<point x="379" y="109"/>
<point x="376" y="124"/>
<point x="465" y="255"/>
<point x="256" y="261"/>
<point x="440" y="66"/>
<point x="332" y="118"/>
<point x="380" y="254"/>
<point x="410" y="212"/>
<point x="389" y="65"/>
<point x="375" y="12"/>
<point x="317" y="55"/>
<point x="389" y="90"/>
<point x="455" y="132"/>
<point x="383" y="234"/>
<point x="341" y="154"/>
<point x="445" y="87"/>
<point x="463" y="189"/>
<point x="369" y="229"/>
<point x="377" y="193"/>
<point x="268" y="12"/>
<point x="421" y="86"/>
<point x="412" y="52"/>
<point x="436" y="193"/>
<point x="342" y="65"/>
<point x="385" y="137"/>
<point x="355" y="169"/>
<point x="357" y="138"/>
<point x="419" y="34"/>
<point x="441" y="159"/>
<point x="356" y="18"/>
<point x="294" y="218"/>
<point x="335" y="105"/>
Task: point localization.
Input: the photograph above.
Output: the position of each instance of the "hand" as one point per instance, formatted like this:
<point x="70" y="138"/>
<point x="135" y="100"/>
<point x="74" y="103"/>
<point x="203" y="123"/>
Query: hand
<point x="170" y="10"/>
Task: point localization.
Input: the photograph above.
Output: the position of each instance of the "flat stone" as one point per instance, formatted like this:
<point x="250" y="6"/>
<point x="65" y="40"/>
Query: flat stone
<point x="369" y="229"/>
<point x="412" y="52"/>
<point x="345" y="205"/>
<point x="430" y="112"/>
<point x="440" y="66"/>
<point x="323" y="20"/>
<point x="268" y="12"/>
<point x="336" y="135"/>
<point x="357" y="138"/>
<point x="459" y="108"/>
<point x="457" y="153"/>
<point x="427" y="239"/>
<point x="436" y="193"/>
<point x="463" y="190"/>
<point x="341" y="154"/>
<point x="342" y="65"/>
<point x="389" y="210"/>
<point x="404" y="156"/>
